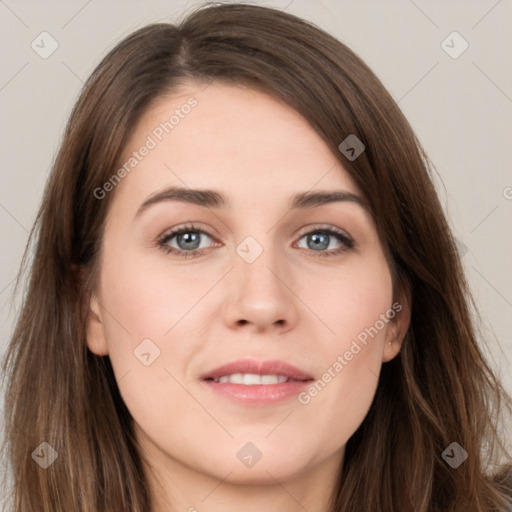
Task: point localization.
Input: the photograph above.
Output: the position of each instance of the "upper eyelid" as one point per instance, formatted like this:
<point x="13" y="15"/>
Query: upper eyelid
<point x="184" y="228"/>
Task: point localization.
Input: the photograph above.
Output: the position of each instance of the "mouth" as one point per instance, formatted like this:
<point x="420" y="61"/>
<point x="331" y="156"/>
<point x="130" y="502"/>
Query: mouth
<point x="257" y="382"/>
<point x="253" y="379"/>
<point x="251" y="372"/>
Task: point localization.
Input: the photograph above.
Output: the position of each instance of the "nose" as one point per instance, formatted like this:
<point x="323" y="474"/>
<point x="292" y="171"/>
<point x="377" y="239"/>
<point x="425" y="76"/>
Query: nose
<point x="261" y="296"/>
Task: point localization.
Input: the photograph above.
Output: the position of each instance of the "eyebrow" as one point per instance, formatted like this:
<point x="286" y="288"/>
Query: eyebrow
<point x="214" y="199"/>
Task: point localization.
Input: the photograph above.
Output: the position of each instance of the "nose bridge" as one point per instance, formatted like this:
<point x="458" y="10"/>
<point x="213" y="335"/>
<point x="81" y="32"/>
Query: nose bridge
<point x="260" y="295"/>
<point x="259" y="261"/>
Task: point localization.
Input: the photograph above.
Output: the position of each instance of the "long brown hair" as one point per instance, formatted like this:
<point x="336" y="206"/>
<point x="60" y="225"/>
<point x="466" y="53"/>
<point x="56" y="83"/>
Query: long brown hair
<point x="438" y="390"/>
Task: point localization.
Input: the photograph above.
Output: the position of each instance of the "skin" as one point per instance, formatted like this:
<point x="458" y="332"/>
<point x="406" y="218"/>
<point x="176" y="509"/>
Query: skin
<point x="289" y="304"/>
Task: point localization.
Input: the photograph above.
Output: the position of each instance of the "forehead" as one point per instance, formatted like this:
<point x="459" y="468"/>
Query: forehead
<point x="231" y="137"/>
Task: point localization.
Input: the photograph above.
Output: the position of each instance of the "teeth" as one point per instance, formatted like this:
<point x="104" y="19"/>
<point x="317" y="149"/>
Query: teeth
<point x="250" y="379"/>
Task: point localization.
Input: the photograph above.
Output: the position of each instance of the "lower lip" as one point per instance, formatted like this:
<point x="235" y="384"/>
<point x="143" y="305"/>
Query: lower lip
<point x="258" y="394"/>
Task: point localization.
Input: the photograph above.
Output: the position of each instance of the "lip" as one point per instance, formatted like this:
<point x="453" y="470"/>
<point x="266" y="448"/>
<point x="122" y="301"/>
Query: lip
<point x="257" y="395"/>
<point x="273" y="367"/>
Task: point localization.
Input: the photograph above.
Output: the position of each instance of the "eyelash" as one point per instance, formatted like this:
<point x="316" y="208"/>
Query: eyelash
<point x="331" y="231"/>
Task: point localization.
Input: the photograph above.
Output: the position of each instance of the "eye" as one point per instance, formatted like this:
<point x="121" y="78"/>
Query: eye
<point x="320" y="239"/>
<point x="187" y="239"/>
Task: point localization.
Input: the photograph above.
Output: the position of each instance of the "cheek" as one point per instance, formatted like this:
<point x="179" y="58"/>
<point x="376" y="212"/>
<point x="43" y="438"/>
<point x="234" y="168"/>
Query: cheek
<point x="154" y="323"/>
<point x="144" y="327"/>
<point x="357" y="307"/>
<point x="354" y="302"/>
<point x="148" y="299"/>
<point x="340" y="400"/>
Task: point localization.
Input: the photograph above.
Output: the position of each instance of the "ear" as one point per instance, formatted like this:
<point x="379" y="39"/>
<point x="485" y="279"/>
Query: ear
<point x="397" y="327"/>
<point x="96" y="339"/>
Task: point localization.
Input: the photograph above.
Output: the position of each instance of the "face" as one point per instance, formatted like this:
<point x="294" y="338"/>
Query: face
<point x="253" y="275"/>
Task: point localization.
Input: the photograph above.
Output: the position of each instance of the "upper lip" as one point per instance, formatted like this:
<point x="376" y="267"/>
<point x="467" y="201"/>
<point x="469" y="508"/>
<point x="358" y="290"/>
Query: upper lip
<point x="272" y="367"/>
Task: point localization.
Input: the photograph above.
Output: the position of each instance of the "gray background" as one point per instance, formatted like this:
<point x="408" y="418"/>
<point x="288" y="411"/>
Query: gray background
<point x="460" y="108"/>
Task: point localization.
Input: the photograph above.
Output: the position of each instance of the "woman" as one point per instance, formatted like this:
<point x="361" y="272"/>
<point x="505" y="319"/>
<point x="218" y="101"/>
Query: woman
<point x="245" y="294"/>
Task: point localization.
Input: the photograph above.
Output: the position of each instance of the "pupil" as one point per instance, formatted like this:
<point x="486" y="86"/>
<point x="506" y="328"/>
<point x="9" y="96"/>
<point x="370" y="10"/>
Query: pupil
<point x="320" y="241"/>
<point x="189" y="238"/>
